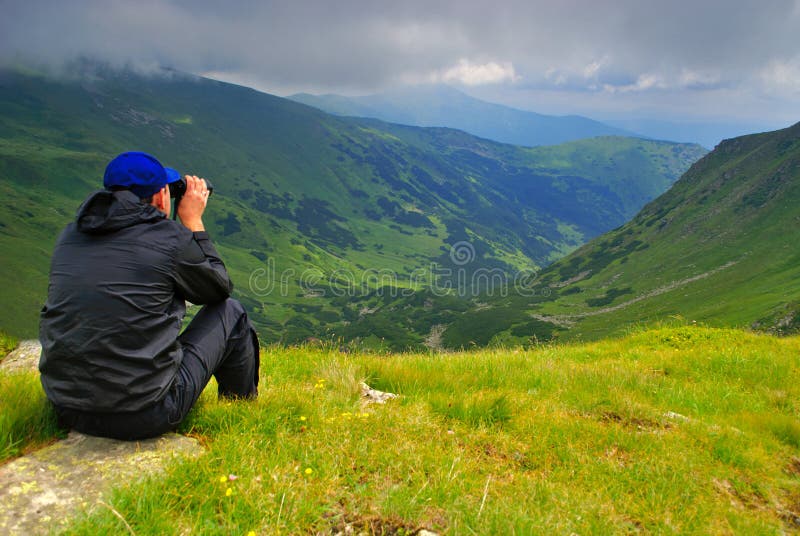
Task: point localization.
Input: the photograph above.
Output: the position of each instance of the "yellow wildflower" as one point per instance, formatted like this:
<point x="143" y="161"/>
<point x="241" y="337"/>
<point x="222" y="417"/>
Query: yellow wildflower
<point x="302" y="417"/>
<point x="229" y="492"/>
<point x="223" y="478"/>
<point x="309" y="470"/>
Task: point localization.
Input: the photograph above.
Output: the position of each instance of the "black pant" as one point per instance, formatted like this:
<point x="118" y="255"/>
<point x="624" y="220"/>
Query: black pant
<point x="219" y="342"/>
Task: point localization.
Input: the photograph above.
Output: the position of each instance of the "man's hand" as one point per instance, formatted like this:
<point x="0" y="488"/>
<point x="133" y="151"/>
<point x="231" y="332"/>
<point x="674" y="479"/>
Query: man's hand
<point x="193" y="203"/>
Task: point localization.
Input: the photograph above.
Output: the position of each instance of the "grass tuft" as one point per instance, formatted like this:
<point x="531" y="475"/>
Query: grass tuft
<point x="785" y="428"/>
<point x="7" y="343"/>
<point x="479" y="409"/>
<point x="27" y="419"/>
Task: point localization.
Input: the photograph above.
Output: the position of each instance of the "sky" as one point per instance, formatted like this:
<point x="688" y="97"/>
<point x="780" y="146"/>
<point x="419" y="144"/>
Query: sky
<point x="731" y="60"/>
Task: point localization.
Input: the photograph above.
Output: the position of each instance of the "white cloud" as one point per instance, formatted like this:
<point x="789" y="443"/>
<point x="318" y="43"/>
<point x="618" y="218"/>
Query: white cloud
<point x="696" y="79"/>
<point x="782" y="77"/>
<point x="474" y="74"/>
<point x="558" y="78"/>
<point x="593" y="68"/>
<point x="644" y="82"/>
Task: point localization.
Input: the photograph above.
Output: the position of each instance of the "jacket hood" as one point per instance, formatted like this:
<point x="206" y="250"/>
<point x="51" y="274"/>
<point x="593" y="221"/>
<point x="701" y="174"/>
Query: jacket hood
<point x="106" y="212"/>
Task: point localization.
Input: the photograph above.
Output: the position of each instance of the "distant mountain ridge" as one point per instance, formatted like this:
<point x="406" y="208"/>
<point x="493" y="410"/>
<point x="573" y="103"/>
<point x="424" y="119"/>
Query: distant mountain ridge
<point x="444" y="106"/>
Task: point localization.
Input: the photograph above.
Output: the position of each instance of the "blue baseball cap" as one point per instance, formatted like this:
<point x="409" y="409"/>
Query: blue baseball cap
<point x="139" y="172"/>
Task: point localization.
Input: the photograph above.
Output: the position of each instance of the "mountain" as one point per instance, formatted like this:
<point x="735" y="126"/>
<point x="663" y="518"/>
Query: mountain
<point x="706" y="133"/>
<point x="444" y="106"/>
<point x="718" y="248"/>
<point x="311" y="212"/>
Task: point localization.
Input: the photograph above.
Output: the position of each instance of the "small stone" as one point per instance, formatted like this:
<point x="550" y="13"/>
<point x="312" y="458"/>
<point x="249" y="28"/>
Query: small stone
<point x="24" y="357"/>
<point x="676" y="416"/>
<point x="373" y="396"/>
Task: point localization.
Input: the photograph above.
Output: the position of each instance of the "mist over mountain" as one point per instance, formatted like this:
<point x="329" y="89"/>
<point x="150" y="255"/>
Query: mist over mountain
<point x="444" y="106"/>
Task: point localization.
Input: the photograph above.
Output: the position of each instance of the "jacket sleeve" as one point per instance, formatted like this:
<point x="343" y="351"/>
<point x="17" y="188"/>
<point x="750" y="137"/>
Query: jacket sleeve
<point x="200" y="275"/>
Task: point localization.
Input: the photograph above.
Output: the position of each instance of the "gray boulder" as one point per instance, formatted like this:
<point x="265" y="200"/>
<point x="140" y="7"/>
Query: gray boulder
<point x="40" y="491"/>
<point x="23" y="357"/>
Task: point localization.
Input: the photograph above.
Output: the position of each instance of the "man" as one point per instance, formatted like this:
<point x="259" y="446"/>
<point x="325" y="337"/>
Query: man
<point x="114" y="362"/>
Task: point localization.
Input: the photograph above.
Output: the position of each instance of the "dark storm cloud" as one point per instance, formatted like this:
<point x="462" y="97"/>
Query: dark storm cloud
<point x="619" y="47"/>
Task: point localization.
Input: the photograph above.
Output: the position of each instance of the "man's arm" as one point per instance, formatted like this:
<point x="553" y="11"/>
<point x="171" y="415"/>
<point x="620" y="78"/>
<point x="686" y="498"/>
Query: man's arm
<point x="200" y="274"/>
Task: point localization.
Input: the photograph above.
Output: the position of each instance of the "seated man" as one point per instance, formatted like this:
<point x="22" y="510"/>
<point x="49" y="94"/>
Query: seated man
<point x="114" y="362"/>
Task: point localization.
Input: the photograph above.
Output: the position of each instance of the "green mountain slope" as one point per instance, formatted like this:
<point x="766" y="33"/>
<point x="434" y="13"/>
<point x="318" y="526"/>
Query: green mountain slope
<point x="720" y="247"/>
<point x="444" y="106"/>
<point x="310" y="211"/>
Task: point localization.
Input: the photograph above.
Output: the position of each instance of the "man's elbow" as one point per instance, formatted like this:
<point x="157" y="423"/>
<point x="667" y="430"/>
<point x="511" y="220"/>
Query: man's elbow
<point x="224" y="290"/>
<point x="211" y="294"/>
<point x="228" y="290"/>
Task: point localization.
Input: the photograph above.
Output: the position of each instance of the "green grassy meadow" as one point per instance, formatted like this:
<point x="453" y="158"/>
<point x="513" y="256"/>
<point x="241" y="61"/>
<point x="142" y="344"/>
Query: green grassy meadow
<point x="675" y="429"/>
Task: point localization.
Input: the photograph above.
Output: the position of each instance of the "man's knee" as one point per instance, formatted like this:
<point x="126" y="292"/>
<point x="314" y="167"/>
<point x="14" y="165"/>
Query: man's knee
<point x="237" y="315"/>
<point x="230" y="311"/>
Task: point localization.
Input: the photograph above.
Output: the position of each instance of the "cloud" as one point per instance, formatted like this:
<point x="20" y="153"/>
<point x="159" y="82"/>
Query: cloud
<point x="608" y="49"/>
<point x="593" y="68"/>
<point x="556" y="76"/>
<point x="697" y="80"/>
<point x="782" y="77"/>
<point x="473" y="74"/>
<point x="686" y="79"/>
<point x="643" y="82"/>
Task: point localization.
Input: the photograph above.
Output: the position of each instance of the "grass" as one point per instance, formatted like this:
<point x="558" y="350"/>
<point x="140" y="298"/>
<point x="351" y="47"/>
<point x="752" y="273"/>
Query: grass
<point x="27" y="420"/>
<point x="670" y="430"/>
<point x="7" y="343"/>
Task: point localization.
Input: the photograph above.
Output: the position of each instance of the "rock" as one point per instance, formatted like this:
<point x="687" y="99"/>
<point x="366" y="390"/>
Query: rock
<point x="23" y="357"/>
<point x="434" y="338"/>
<point x="373" y="396"/>
<point x="41" y="490"/>
<point x="676" y="416"/>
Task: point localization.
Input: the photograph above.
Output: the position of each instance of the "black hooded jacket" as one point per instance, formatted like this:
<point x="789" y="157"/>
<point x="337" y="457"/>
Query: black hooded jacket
<point x="118" y="280"/>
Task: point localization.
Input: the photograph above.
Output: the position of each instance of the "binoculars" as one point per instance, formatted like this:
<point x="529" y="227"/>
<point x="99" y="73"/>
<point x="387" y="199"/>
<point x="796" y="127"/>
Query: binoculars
<point x="178" y="188"/>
